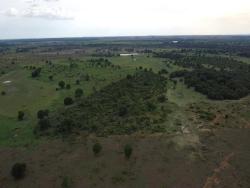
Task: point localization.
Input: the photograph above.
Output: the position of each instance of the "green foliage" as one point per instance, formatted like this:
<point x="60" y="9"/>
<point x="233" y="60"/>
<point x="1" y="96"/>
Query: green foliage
<point x="123" y="111"/>
<point x="42" y="113"/>
<point x="161" y="98"/>
<point x="78" y="93"/>
<point x="67" y="182"/>
<point x="151" y="106"/>
<point x="36" y="72"/>
<point x="128" y="150"/>
<point x="118" y="108"/>
<point x="3" y="93"/>
<point x="20" y="115"/>
<point x="51" y="77"/>
<point x="209" y="116"/>
<point x="61" y="84"/>
<point x="43" y="124"/>
<point x="68" y="86"/>
<point x="68" y="101"/>
<point x="77" y="82"/>
<point x="65" y="127"/>
<point x="18" y="170"/>
<point x="97" y="148"/>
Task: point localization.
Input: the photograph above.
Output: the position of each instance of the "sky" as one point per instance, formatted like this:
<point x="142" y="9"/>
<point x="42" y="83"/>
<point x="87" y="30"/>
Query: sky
<point x="85" y="18"/>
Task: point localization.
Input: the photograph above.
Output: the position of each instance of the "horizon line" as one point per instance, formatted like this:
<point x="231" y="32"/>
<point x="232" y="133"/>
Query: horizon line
<point x="123" y="36"/>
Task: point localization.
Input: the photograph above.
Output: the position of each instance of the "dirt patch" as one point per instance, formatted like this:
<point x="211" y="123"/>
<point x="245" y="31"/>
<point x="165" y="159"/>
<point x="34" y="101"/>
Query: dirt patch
<point x="157" y="161"/>
<point x="214" y="179"/>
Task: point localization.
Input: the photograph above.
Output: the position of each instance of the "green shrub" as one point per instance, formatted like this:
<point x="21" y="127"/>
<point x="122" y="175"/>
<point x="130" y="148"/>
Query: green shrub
<point x="61" y="84"/>
<point x="78" y="93"/>
<point x="50" y="77"/>
<point x="128" y="151"/>
<point x="18" y="170"/>
<point x="68" y="86"/>
<point x="68" y="101"/>
<point x="20" y="115"/>
<point x="43" y="124"/>
<point x="77" y="82"/>
<point x="97" y="148"/>
<point x="123" y="111"/>
<point x="3" y="93"/>
<point x="66" y="126"/>
<point x="161" y="98"/>
<point x="42" y="113"/>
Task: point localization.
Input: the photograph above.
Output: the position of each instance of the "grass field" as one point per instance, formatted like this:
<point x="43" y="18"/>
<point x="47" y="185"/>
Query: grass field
<point x="193" y="136"/>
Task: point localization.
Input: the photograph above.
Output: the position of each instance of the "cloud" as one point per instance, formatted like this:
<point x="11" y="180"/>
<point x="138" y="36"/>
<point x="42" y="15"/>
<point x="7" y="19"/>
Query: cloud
<point x="40" y="9"/>
<point x="47" y="13"/>
<point x="12" y="12"/>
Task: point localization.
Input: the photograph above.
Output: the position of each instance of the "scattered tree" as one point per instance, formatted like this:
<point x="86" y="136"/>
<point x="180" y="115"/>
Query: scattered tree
<point x="61" y="84"/>
<point x="78" y="93"/>
<point x="20" y="115"/>
<point x="36" y="72"/>
<point x="18" y="170"/>
<point x="68" y="101"/>
<point x="3" y="93"/>
<point x="97" y="148"/>
<point x="128" y="151"/>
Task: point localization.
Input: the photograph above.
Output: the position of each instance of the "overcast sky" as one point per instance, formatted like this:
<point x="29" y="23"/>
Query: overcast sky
<point x="78" y="18"/>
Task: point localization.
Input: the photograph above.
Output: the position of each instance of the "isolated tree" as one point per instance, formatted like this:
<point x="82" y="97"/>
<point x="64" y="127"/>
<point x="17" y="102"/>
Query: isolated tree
<point x="78" y="92"/>
<point x="36" y="72"/>
<point x="61" y="84"/>
<point x="18" y="170"/>
<point x="97" y="148"/>
<point x="68" y="101"/>
<point x="128" y="151"/>
<point x="20" y="115"/>
<point x="3" y="93"/>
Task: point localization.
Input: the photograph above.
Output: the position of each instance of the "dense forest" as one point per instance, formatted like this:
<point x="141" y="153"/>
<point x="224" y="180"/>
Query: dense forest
<point x="216" y="77"/>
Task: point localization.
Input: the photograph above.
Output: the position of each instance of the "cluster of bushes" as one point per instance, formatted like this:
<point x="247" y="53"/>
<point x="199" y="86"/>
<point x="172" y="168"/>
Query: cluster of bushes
<point x="101" y="62"/>
<point x="122" y="107"/>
